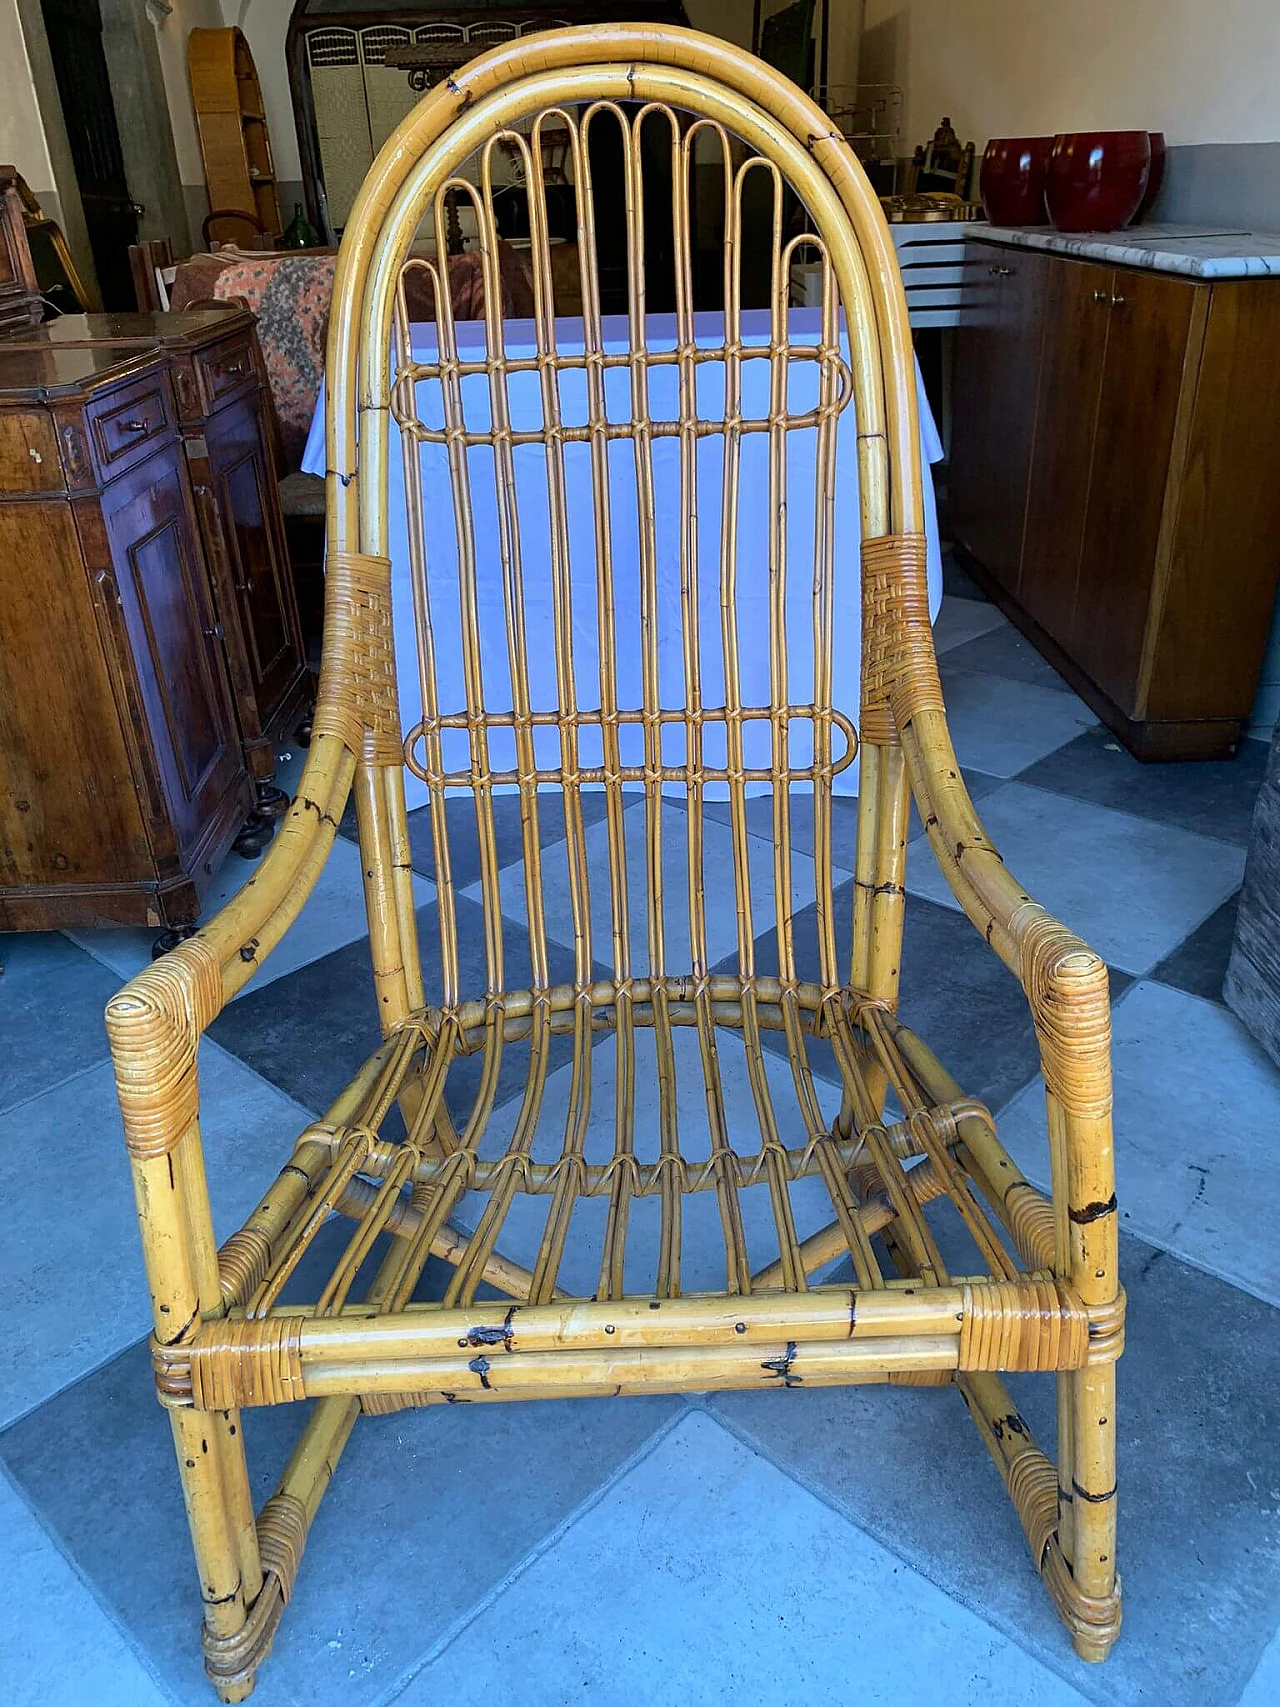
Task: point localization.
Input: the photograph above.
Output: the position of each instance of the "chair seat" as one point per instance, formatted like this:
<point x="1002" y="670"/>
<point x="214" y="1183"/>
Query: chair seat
<point x="685" y="1232"/>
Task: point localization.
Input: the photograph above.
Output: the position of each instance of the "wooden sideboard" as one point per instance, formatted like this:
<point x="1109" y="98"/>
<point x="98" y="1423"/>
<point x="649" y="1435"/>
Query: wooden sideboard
<point x="150" y="651"/>
<point x="1112" y="483"/>
<point x="21" y="305"/>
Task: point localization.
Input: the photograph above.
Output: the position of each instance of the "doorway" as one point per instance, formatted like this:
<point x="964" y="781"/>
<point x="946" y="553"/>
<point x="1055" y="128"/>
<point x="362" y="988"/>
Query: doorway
<point x="74" y="32"/>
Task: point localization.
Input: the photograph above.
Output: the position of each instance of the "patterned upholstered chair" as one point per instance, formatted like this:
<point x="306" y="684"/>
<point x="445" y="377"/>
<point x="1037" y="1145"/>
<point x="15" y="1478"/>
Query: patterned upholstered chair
<point x="956" y="1268"/>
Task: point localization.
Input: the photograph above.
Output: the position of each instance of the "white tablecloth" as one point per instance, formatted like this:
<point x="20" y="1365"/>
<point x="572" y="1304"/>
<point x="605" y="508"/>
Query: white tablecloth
<point x="752" y="601"/>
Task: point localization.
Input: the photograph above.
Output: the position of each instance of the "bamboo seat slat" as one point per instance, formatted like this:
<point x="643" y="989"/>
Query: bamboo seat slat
<point x="647" y="1085"/>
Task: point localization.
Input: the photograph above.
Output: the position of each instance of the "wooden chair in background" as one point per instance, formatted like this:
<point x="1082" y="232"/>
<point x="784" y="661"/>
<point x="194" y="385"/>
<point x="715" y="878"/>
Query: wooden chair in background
<point x="582" y="1213"/>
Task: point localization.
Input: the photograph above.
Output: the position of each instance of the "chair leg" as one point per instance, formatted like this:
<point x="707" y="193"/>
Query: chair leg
<point x="206" y="1466"/>
<point x="1093" y="1496"/>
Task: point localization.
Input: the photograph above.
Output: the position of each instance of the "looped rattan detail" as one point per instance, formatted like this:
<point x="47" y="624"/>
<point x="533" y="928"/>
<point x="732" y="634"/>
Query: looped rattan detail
<point x="243" y="1262"/>
<point x="1106" y="1329"/>
<point x="154" y="1025"/>
<point x="1030" y="1216"/>
<point x="356" y="700"/>
<point x="1067" y="986"/>
<point x="1093" y="1619"/>
<point x="282" y="1536"/>
<point x="1033" y="1488"/>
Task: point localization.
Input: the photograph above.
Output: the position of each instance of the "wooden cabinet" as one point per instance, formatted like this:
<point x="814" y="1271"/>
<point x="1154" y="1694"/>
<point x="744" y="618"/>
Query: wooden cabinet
<point x="172" y="639"/>
<point x="1063" y="423"/>
<point x="1109" y="483"/>
<point x="122" y="781"/>
<point x="251" y="566"/>
<point x="990" y="458"/>
<point x="150" y="651"/>
<point x="221" y="406"/>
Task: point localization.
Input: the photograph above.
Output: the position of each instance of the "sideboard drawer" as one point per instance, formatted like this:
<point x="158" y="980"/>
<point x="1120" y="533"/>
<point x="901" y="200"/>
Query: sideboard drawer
<point x="226" y="368"/>
<point x="128" y="424"/>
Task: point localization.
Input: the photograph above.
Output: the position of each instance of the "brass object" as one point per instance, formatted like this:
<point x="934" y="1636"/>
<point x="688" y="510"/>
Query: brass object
<point x="929" y="208"/>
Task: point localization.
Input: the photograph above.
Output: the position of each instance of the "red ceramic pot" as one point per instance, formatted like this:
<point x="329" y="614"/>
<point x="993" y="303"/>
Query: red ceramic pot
<point x="1155" y="177"/>
<point x="1011" y="182"/>
<point x="1097" y="178"/>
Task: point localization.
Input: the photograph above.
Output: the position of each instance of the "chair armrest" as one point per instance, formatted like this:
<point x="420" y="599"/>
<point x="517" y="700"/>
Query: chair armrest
<point x="156" y="1021"/>
<point x="1065" y="981"/>
<point x="193" y="982"/>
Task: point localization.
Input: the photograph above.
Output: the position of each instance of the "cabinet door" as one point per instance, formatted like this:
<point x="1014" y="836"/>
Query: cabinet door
<point x="1077" y="311"/>
<point x="256" y="566"/>
<point x="176" y="653"/>
<point x="1149" y="318"/>
<point x="996" y="372"/>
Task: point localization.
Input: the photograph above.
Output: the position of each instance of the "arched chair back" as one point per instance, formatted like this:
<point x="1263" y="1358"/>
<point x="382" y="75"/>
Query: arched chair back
<point x="634" y="598"/>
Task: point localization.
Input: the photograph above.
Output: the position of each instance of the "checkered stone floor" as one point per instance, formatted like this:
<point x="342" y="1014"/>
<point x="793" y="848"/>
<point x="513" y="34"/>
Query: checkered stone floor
<point x="826" y="1547"/>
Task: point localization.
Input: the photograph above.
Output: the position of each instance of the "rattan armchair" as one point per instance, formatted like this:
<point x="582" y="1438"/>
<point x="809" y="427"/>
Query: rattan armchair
<point x="1038" y="1288"/>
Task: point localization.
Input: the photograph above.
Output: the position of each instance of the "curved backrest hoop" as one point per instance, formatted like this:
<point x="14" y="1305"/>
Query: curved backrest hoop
<point x="699" y="729"/>
<point x="622" y="62"/>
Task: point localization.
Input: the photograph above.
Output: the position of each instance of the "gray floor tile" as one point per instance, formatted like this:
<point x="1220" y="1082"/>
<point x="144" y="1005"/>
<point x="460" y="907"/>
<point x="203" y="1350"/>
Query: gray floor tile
<point x="334" y="914"/>
<point x="1199" y="964"/>
<point x="719" y="889"/>
<point x="960" y="620"/>
<point x="957" y="582"/>
<point x="1199" y="1472"/>
<point x="427" y="1513"/>
<point x="979" y="784"/>
<point x="310" y="1032"/>
<point x="1131" y="888"/>
<point x="1002" y="726"/>
<point x="464" y="837"/>
<point x="703" y="1265"/>
<point x="76" y="1292"/>
<point x="1002" y="651"/>
<point x="844" y="818"/>
<point x="759" y="815"/>
<point x="57" y="1646"/>
<point x="52" y="997"/>
<point x="715" y="1578"/>
<point x="1197" y="1110"/>
<point x="1213" y="798"/>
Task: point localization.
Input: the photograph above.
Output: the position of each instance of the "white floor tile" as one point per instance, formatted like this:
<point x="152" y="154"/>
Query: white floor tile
<point x="718" y="884"/>
<point x="1132" y="888"/>
<point x="1197" y="1111"/>
<point x="57" y="1646"/>
<point x="333" y="916"/>
<point x="706" y="1575"/>
<point x="1000" y="726"/>
<point x="1263" y="1689"/>
<point x="74" y="1292"/>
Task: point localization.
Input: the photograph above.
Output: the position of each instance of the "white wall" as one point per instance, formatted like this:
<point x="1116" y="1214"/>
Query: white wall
<point x="1201" y="72"/>
<point x="171" y="41"/>
<point x="265" y="24"/>
<point x="22" y="139"/>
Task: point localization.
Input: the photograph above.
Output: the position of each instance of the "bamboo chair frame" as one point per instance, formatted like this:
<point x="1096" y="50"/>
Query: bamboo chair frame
<point x="1048" y="1296"/>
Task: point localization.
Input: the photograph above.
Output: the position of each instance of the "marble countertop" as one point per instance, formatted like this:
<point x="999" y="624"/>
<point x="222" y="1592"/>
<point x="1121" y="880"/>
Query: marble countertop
<point x="1197" y="251"/>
